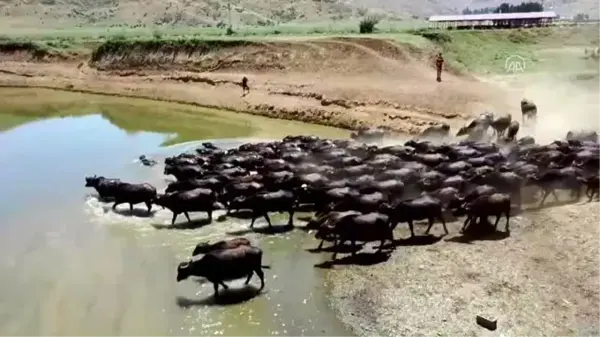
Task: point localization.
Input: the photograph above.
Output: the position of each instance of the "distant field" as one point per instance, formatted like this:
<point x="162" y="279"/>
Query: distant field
<point x="472" y="51"/>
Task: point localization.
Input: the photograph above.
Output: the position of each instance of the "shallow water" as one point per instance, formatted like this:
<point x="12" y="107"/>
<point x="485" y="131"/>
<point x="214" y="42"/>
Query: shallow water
<point x="70" y="265"/>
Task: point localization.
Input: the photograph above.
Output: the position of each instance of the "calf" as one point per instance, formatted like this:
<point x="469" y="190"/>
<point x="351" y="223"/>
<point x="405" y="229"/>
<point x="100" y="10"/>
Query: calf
<point x="196" y="200"/>
<point x="205" y="247"/>
<point x="225" y="265"/>
<point x="106" y="188"/>
<point x="424" y="207"/>
<point x="134" y="194"/>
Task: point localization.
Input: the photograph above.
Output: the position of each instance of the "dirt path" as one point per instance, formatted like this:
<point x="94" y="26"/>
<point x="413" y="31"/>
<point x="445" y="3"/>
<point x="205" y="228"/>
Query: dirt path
<point x="541" y="280"/>
<point x="339" y="82"/>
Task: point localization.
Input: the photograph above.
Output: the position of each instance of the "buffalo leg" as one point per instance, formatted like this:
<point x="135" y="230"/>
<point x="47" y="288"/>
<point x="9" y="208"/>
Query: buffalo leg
<point x="443" y="221"/>
<point x="291" y="221"/>
<point x="249" y="277"/>
<point x="117" y="203"/>
<point x="412" y="229"/>
<point x="253" y="218"/>
<point x="209" y="215"/>
<point x="545" y="195"/>
<point x="321" y="244"/>
<point x="554" y="195"/>
<point x="261" y="276"/>
<point x="130" y="207"/>
<point x="498" y="216"/>
<point x="216" y="287"/>
<point x="266" y="215"/>
<point x="430" y="225"/>
<point x="507" y="227"/>
<point x="335" y="248"/>
<point x="224" y="285"/>
<point x="187" y="216"/>
<point x="149" y="206"/>
<point x="353" y="247"/>
<point x="174" y="218"/>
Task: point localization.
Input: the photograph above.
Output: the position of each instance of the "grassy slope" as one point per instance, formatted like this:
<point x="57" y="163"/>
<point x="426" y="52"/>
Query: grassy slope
<point x="473" y="51"/>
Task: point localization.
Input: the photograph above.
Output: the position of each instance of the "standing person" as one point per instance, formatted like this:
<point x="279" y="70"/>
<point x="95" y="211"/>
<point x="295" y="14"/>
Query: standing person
<point x="439" y="63"/>
<point x="245" y="87"/>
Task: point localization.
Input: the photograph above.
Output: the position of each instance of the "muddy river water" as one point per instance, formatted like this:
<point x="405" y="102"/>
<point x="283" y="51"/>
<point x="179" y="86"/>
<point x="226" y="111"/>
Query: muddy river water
<point x="70" y="265"/>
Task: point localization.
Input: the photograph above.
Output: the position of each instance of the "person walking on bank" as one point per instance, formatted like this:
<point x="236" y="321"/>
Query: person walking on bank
<point x="245" y="87"/>
<point x="439" y="64"/>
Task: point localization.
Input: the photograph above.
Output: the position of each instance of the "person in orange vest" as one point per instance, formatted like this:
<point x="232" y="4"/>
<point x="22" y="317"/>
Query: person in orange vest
<point x="439" y="63"/>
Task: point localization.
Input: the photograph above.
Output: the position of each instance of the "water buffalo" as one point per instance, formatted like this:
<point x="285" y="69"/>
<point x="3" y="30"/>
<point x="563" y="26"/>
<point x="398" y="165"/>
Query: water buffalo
<point x="352" y="226"/>
<point x="225" y="265"/>
<point x="265" y="202"/>
<point x="134" y="194"/>
<point x="196" y="200"/>
<point x="589" y="135"/>
<point x="424" y="207"/>
<point x="205" y="247"/>
<point x="492" y="204"/>
<point x="106" y="188"/>
<point x="528" y="110"/>
<point x="184" y="172"/>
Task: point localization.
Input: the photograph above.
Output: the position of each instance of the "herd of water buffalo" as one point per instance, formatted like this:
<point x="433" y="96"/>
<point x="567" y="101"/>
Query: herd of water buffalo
<point x="358" y="192"/>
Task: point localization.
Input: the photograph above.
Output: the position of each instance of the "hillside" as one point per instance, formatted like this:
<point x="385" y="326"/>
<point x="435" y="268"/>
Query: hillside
<point x="212" y="13"/>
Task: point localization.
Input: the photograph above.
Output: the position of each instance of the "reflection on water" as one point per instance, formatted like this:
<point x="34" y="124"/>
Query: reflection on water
<point x="70" y="265"/>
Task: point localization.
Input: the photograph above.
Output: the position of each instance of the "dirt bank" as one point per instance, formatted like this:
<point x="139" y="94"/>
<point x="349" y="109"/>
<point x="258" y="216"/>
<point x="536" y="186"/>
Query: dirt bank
<point x="344" y="82"/>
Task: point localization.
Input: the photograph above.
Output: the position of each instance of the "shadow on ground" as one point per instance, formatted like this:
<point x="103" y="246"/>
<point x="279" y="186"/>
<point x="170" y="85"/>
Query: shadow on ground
<point x="194" y="224"/>
<point x="226" y="297"/>
<point x="275" y="229"/>
<point x="137" y="212"/>
<point x="482" y="231"/>
<point x="361" y="259"/>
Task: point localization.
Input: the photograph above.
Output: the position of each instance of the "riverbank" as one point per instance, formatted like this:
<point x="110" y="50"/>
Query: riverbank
<point x="346" y="82"/>
<point x="333" y="96"/>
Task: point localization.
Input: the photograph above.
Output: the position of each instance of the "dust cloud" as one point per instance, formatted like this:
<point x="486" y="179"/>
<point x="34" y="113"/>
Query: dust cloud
<point x="566" y="97"/>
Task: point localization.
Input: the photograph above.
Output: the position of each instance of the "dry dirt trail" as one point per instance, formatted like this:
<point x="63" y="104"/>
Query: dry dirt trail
<point x="345" y="82"/>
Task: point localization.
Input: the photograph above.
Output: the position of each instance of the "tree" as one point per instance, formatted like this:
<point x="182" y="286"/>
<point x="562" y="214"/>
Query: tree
<point x="581" y="17"/>
<point x="523" y="7"/>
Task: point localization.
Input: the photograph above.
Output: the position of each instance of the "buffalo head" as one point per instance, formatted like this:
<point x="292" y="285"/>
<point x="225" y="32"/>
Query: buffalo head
<point x="201" y="248"/>
<point x="93" y="181"/>
<point x="183" y="270"/>
<point x="162" y="200"/>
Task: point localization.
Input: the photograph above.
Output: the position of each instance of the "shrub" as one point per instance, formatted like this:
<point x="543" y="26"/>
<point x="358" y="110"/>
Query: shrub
<point x="367" y="25"/>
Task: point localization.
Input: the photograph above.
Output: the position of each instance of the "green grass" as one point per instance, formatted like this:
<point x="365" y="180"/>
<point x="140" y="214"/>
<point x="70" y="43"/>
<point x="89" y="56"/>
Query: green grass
<point x="465" y="51"/>
<point x="21" y="106"/>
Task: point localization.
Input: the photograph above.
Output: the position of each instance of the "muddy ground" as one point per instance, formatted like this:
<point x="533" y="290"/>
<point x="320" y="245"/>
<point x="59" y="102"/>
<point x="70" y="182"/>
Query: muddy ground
<point x="540" y="280"/>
